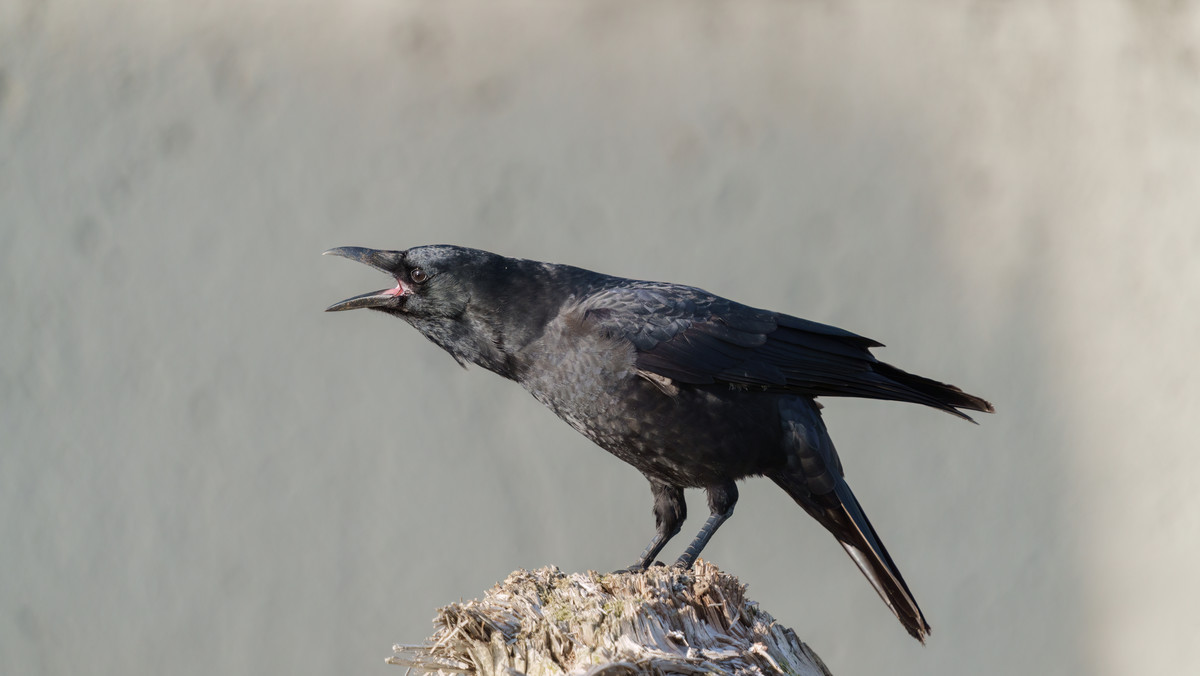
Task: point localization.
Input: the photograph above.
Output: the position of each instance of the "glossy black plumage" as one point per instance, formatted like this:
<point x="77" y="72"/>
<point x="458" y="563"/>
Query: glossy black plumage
<point x="692" y="389"/>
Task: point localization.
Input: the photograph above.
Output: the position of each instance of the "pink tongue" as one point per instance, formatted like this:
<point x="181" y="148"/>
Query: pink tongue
<point x="400" y="290"/>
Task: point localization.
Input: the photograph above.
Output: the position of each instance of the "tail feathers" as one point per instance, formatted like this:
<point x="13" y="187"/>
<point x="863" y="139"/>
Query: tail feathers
<point x="863" y="545"/>
<point x="921" y="390"/>
<point x="840" y="513"/>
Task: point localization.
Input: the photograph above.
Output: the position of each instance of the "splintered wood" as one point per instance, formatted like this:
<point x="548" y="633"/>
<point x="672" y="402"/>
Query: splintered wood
<point x="663" y="621"/>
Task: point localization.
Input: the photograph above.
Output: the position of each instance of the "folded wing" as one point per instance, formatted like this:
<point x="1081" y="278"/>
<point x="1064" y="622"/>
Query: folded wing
<point x="696" y="338"/>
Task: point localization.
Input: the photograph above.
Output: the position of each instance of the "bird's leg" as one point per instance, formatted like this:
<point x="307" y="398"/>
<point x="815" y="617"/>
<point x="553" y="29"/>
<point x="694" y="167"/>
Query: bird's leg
<point x="721" y="499"/>
<point x="669" y="512"/>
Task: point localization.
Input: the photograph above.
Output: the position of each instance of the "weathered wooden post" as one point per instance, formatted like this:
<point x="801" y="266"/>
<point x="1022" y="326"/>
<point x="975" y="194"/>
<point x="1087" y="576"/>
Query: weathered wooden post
<point x="664" y="621"/>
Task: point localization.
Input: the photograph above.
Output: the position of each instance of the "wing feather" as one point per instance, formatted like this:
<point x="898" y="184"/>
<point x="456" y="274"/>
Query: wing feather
<point x="696" y="338"/>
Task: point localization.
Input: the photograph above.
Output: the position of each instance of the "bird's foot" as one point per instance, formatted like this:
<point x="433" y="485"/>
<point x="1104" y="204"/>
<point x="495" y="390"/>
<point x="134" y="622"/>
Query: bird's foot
<point x="638" y="568"/>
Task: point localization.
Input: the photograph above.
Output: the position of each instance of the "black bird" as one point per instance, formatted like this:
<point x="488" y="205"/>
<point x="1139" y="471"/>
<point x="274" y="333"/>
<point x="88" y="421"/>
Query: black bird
<point x="694" y="390"/>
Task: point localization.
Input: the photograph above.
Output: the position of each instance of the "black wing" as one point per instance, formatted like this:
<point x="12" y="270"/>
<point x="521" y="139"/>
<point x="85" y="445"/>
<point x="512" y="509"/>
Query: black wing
<point x="696" y="338"/>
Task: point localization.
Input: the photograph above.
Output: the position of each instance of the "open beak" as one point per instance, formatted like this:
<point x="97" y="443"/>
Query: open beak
<point x="384" y="261"/>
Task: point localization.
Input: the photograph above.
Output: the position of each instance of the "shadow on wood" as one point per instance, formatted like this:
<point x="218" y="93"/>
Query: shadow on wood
<point x="663" y="621"/>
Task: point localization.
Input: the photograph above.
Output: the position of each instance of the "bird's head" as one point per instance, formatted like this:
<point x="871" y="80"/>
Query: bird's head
<point x="431" y="282"/>
<point x="478" y="306"/>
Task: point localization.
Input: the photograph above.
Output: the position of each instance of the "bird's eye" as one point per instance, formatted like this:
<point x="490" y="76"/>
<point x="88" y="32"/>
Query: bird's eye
<point x="418" y="275"/>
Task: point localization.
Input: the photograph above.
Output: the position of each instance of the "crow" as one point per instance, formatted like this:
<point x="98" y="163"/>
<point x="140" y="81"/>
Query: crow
<point x="692" y="389"/>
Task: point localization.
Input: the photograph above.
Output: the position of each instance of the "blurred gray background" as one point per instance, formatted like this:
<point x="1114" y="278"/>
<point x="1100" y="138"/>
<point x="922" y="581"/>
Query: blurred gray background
<point x="202" y="473"/>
